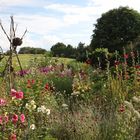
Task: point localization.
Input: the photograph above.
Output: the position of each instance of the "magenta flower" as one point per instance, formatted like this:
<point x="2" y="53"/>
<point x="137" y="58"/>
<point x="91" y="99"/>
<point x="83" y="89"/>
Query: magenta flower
<point x="13" y="92"/>
<point x="126" y="56"/>
<point x="19" y="95"/>
<point x="15" y="118"/>
<point x="0" y="119"/>
<point x="22" y="118"/>
<point x="13" y="137"/>
<point x="6" y="118"/>
<point x="2" y="102"/>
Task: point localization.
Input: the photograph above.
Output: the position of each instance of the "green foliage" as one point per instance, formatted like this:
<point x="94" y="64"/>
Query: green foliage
<point x="31" y="50"/>
<point x="115" y="29"/>
<point x="61" y="50"/>
<point x="99" y="58"/>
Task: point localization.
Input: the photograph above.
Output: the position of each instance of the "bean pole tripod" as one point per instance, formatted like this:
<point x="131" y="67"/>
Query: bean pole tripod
<point x="14" y="41"/>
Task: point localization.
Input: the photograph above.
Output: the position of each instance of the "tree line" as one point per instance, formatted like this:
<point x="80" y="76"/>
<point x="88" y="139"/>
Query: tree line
<point x="113" y="31"/>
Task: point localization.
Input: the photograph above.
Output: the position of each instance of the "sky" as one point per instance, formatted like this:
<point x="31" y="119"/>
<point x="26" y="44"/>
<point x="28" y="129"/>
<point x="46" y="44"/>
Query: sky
<point x="52" y="21"/>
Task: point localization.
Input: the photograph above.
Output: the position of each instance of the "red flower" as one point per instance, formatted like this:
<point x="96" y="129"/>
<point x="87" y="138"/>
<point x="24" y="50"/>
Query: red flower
<point x="2" y="102"/>
<point x="132" y="54"/>
<point x="126" y="56"/>
<point x="13" y="92"/>
<point x="88" y="61"/>
<point x="137" y="66"/>
<point x="19" y="95"/>
<point x="6" y="118"/>
<point x="47" y="87"/>
<point x="15" y="118"/>
<point x="13" y="137"/>
<point x="1" y="120"/>
<point x="22" y="118"/>
<point x="116" y="63"/>
<point x="122" y="108"/>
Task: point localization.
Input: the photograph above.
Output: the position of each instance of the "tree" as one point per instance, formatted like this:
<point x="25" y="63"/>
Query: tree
<point x="81" y="52"/>
<point x="115" y="29"/>
<point x="58" y="49"/>
<point x="31" y="50"/>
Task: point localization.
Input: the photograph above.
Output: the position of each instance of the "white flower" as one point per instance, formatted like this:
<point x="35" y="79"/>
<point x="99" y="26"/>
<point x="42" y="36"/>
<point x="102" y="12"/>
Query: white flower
<point x="137" y="114"/>
<point x="129" y="105"/>
<point x="136" y="99"/>
<point x="42" y="109"/>
<point x="27" y="105"/>
<point x="32" y="102"/>
<point x="48" y="111"/>
<point x="75" y="93"/>
<point x="31" y="106"/>
<point x="64" y="105"/>
<point x="32" y="126"/>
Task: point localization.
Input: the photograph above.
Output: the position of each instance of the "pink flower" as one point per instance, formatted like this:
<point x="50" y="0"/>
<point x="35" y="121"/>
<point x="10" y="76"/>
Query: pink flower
<point x="126" y="56"/>
<point x="16" y="94"/>
<point x="15" y="118"/>
<point x="0" y="119"/>
<point x="2" y="102"/>
<point x="6" y="118"/>
<point x="13" y="92"/>
<point x="19" y="95"/>
<point x="22" y="118"/>
<point x="13" y="137"/>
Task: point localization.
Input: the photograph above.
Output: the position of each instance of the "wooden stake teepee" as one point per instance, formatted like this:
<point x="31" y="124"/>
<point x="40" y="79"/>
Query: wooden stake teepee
<point x="14" y="42"/>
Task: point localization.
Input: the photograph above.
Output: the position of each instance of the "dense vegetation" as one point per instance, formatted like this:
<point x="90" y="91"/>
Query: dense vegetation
<point x="115" y="29"/>
<point x="53" y="98"/>
<point x="31" y="50"/>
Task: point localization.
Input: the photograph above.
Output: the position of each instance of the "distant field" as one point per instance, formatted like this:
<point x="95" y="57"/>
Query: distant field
<point x="27" y="60"/>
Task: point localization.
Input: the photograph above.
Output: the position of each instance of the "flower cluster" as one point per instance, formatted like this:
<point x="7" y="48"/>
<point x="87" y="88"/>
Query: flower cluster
<point x="43" y="109"/>
<point x="2" y="102"/>
<point x="14" y="118"/>
<point x="31" y="106"/>
<point x="17" y="94"/>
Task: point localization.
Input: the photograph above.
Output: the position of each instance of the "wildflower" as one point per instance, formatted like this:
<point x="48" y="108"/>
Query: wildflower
<point x="129" y="105"/>
<point x="32" y="126"/>
<point x="2" y="102"/>
<point x="6" y="118"/>
<point x="30" y="83"/>
<point x="42" y="109"/>
<point x="15" y="118"/>
<point x="116" y="63"/>
<point x="1" y="119"/>
<point x="122" y="108"/>
<point x="19" y="95"/>
<point x="125" y="56"/>
<point x="22" y="118"/>
<point x="31" y="106"/>
<point x="137" y="66"/>
<point x="75" y="93"/>
<point x="136" y="99"/>
<point x="47" y="86"/>
<point x="32" y="102"/>
<point x="13" y="137"/>
<point x="13" y="92"/>
<point x="65" y="106"/>
<point x="137" y="114"/>
<point x="48" y="111"/>
<point x="88" y="61"/>
<point x="132" y="54"/>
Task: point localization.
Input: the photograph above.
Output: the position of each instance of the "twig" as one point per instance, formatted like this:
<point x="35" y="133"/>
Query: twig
<point x="4" y="31"/>
<point x="24" y="34"/>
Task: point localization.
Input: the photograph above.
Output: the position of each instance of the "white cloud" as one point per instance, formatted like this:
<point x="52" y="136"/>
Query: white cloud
<point x="52" y="29"/>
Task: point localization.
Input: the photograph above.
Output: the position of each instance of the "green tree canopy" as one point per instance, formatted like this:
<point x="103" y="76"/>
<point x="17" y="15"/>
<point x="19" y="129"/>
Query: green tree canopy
<point x="115" y="29"/>
<point x="31" y="50"/>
